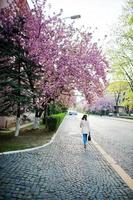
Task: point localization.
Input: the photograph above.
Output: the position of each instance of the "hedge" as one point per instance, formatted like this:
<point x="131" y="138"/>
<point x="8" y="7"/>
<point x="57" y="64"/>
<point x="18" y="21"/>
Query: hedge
<point x="53" y="121"/>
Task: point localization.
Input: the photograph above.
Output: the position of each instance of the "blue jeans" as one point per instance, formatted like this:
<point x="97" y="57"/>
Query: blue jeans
<point x="85" y="138"/>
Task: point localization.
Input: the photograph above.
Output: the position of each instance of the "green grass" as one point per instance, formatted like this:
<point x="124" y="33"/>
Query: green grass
<point x="130" y="117"/>
<point x="127" y="117"/>
<point x="27" y="138"/>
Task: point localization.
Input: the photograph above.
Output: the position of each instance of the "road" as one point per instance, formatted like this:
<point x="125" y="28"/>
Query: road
<point x="116" y="137"/>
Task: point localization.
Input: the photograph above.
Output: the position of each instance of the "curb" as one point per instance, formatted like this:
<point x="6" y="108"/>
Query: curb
<point x="126" y="178"/>
<point x="121" y="119"/>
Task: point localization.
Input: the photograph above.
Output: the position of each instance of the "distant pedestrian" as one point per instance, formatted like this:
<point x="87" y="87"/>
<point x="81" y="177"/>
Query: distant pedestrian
<point x="84" y="125"/>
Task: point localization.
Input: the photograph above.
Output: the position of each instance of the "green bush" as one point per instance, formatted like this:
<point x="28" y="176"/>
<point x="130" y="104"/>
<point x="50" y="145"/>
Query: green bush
<point x="53" y="121"/>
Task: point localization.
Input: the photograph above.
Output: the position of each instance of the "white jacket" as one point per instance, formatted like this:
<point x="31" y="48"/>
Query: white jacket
<point x="84" y="125"/>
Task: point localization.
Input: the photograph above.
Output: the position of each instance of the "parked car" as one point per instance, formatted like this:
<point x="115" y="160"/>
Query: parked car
<point x="110" y="114"/>
<point x="72" y="112"/>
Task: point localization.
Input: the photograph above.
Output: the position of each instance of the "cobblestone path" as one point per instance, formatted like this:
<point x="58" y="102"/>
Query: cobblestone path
<point x="62" y="170"/>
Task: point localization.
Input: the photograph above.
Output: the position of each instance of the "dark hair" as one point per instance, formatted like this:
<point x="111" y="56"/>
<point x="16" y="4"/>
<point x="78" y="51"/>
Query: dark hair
<point x="84" y="117"/>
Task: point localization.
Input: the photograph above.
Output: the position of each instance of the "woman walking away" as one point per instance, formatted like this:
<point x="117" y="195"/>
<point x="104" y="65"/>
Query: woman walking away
<point x="84" y="125"/>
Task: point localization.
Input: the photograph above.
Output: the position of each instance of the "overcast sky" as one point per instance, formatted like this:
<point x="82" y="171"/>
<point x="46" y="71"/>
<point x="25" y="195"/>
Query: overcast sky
<point x="95" y="13"/>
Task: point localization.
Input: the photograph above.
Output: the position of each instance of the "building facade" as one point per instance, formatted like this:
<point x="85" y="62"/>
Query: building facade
<point x="21" y="4"/>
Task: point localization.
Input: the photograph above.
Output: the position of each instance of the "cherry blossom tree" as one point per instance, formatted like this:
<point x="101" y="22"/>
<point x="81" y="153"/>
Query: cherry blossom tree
<point x="105" y="103"/>
<point x="58" y="59"/>
<point x="79" y="65"/>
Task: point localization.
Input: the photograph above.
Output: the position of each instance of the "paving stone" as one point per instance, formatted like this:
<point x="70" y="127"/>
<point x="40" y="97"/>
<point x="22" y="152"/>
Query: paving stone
<point x="61" y="170"/>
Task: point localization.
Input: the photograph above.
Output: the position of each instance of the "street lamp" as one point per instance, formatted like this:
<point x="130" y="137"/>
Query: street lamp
<point x="73" y="17"/>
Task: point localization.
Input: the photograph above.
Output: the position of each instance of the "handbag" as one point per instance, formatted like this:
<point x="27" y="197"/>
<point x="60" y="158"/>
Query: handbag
<point x="89" y="137"/>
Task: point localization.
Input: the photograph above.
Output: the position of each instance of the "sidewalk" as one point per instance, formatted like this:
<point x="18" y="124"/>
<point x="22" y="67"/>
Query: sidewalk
<point x="63" y="170"/>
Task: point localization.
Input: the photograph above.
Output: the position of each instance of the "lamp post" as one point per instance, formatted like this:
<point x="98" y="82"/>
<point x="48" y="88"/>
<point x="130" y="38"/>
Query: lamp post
<point x="73" y="17"/>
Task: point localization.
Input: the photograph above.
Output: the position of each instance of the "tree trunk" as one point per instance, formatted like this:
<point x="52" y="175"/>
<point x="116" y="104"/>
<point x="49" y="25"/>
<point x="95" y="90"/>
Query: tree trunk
<point x="45" y="115"/>
<point x="18" y="121"/>
<point x="36" y="123"/>
<point x="38" y="115"/>
<point x="17" y="126"/>
<point x="18" y="104"/>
